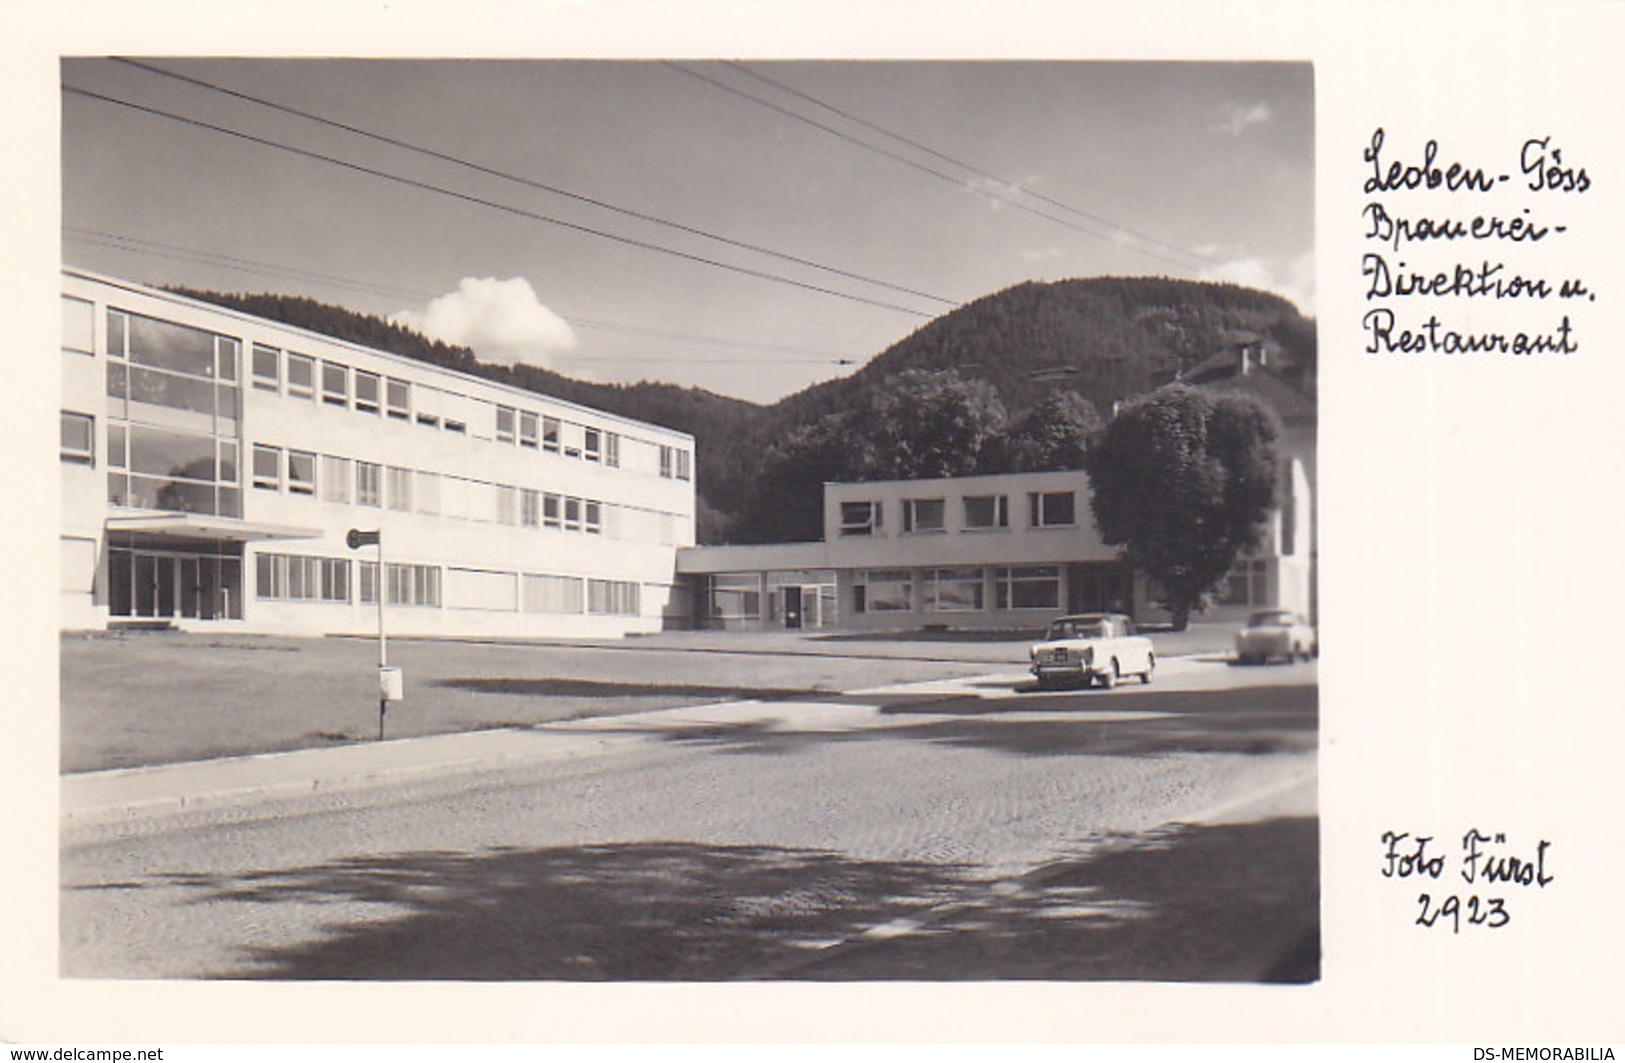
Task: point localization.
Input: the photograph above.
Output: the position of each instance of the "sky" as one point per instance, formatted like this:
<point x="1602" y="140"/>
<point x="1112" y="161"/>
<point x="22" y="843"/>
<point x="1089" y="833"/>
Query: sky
<point x="748" y="227"/>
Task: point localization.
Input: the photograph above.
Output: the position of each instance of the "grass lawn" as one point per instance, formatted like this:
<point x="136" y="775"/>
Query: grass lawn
<point x="162" y="697"/>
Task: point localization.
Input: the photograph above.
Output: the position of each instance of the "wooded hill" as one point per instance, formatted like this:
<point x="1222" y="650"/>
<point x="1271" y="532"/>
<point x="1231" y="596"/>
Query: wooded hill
<point x="1105" y="338"/>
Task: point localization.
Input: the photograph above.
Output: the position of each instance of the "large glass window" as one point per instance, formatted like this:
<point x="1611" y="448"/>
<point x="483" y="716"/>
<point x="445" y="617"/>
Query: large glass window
<point x="160" y="363"/>
<point x="888" y="590"/>
<point x="1028" y="587"/>
<point x="923" y="514"/>
<point x="987" y="511"/>
<point x="953" y="590"/>
<point x="157" y="468"/>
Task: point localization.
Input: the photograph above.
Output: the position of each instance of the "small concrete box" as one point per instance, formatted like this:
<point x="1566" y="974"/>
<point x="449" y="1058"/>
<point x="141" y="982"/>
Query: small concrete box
<point x="391" y="683"/>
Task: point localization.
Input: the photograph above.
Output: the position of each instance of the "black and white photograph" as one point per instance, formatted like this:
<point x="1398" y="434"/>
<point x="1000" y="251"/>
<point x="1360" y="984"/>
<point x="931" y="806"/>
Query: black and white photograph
<point x="608" y="523"/>
<point x="698" y="521"/>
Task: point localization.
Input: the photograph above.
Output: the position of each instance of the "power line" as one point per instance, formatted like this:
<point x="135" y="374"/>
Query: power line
<point x="530" y="183"/>
<point x="492" y="204"/>
<point x="1016" y="185"/>
<point x="923" y="168"/>
<point x="136" y="245"/>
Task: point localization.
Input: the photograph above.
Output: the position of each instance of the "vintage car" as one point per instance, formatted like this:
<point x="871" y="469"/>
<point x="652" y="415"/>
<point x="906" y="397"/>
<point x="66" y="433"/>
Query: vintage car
<point x="1092" y="648"/>
<point x="1275" y="634"/>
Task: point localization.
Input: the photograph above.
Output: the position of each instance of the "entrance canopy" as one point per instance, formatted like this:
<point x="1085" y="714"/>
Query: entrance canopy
<point x="206" y="526"/>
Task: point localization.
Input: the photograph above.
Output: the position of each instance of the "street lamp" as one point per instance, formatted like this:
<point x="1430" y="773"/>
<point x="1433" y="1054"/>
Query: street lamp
<point x="391" y="682"/>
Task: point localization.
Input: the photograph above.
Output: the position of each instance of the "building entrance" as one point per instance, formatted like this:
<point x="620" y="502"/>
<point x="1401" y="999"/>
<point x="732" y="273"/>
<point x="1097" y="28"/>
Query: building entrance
<point x="181" y="582"/>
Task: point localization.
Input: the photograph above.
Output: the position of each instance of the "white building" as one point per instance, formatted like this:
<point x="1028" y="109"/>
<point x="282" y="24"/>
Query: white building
<point x="213" y="462"/>
<point x="977" y="553"/>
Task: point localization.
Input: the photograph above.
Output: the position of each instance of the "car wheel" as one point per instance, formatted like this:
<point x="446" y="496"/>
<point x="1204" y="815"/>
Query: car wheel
<point x="1150" y="666"/>
<point x="1108" y="678"/>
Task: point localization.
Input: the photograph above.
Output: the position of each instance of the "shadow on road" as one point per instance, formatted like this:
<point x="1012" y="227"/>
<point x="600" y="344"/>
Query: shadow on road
<point x="1217" y="903"/>
<point x="1270" y="719"/>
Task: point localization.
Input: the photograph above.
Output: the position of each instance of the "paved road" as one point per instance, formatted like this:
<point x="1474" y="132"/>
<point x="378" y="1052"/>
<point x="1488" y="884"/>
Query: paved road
<point x="952" y="830"/>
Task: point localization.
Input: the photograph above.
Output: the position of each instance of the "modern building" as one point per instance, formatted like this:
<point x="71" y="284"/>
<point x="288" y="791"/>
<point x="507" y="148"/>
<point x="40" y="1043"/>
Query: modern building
<point x="213" y="463"/>
<point x="1001" y="552"/>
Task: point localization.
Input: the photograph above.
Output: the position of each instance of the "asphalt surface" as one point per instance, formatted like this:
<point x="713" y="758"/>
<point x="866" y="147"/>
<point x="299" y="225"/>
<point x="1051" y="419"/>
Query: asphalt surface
<point x="952" y="829"/>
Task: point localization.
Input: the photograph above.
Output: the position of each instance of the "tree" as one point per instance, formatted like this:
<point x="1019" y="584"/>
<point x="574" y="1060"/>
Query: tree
<point x="1052" y="436"/>
<point x="1183" y="481"/>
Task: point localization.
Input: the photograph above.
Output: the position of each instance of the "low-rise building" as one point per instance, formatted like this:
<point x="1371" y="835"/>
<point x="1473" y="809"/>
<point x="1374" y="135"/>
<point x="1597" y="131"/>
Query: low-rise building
<point x="213" y="463"/>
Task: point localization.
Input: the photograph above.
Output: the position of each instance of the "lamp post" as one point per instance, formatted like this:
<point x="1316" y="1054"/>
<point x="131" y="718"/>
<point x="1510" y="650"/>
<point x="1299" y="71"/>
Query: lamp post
<point x="390" y="684"/>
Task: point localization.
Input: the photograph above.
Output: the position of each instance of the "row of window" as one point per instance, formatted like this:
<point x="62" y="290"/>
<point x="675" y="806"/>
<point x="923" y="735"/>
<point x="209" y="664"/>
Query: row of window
<point x="957" y="590"/>
<point x="1045" y="509"/>
<point x="308" y="578"/>
<point x="163" y="363"/>
<point x="365" y="483"/>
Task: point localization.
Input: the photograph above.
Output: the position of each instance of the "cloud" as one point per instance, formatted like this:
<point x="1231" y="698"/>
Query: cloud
<point x="1292" y="279"/>
<point x="1236" y="117"/>
<point x="501" y="321"/>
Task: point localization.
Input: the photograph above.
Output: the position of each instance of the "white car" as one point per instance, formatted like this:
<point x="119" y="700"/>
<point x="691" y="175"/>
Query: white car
<point x="1092" y="648"/>
<point x="1276" y="634"/>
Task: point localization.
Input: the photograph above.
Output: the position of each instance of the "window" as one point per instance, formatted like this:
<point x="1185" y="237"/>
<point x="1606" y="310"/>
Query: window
<point x="298" y="578"/>
<point x="159" y="468"/>
<point x="592" y="448"/>
<point x="923" y="514"/>
<point x="1028" y="587"/>
<point x="530" y="508"/>
<point x="367" y="583"/>
<point x="160" y="363"/>
<point x="301" y="472"/>
<point x="1247" y="583"/>
<point x="78" y="438"/>
<point x="301" y="375"/>
<point x="507" y="418"/>
<point x="367" y="386"/>
<point x="428" y="493"/>
<point x="267" y="467"/>
<point x="550" y="434"/>
<point x="398" y="399"/>
<point x="336" y="384"/>
<point x="400" y="489"/>
<point x="78" y="325"/>
<point x="593" y="516"/>
<point x="267" y="368"/>
<point x="887" y="590"/>
<point x="335" y="479"/>
<point x="456" y="426"/>
<point x="1051" y="509"/>
<point x="369" y="484"/>
<point x="953" y="590"/>
<point x="428" y="420"/>
<point x="553" y="594"/>
<point x="612" y="597"/>
<point x="551" y="508"/>
<point x="572" y="514"/>
<point x="683" y="472"/>
<point x="527" y="429"/>
<point x="860" y="518"/>
<point x="612" y="449"/>
<point x="507" y="505"/>
<point x="414" y="585"/>
<point x="987" y="511"/>
<point x="666" y="462"/>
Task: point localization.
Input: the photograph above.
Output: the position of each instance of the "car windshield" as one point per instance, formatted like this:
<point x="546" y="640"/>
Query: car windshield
<point x="1077" y="629"/>
<point x="1271" y="619"/>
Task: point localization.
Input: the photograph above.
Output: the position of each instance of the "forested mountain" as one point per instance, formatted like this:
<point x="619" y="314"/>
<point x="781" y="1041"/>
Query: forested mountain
<point x="1105" y="339"/>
